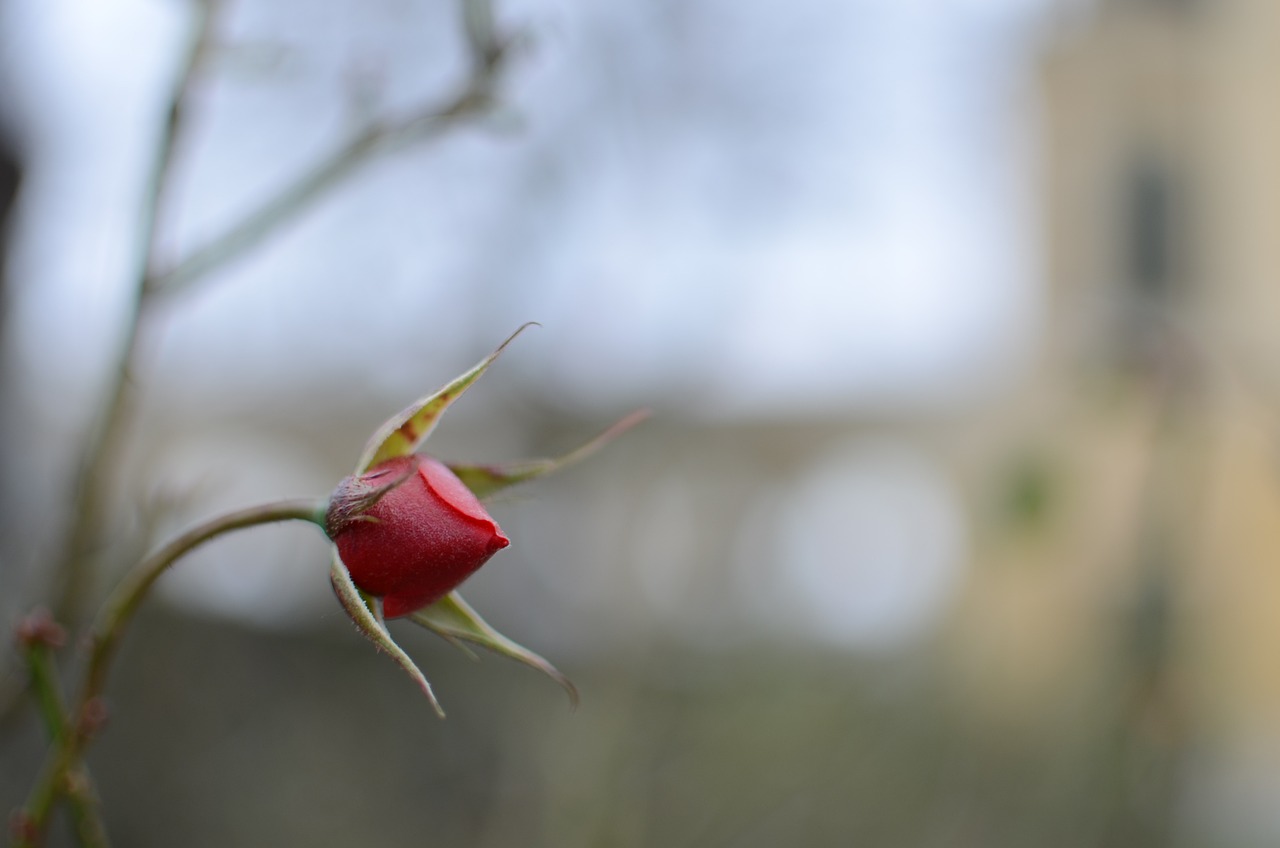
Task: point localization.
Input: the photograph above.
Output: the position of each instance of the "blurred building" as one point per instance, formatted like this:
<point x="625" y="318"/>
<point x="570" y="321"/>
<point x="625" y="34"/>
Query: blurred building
<point x="1163" y="193"/>
<point x="1133" y="480"/>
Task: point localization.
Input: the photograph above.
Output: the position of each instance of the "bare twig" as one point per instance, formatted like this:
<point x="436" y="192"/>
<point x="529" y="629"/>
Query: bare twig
<point x="88" y="515"/>
<point x="475" y="97"/>
<point x="71" y="571"/>
<point x="38" y="636"/>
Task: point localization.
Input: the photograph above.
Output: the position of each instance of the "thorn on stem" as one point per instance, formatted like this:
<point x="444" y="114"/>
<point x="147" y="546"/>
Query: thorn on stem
<point x="39" y="628"/>
<point x="93" y="717"/>
<point x="77" y="783"/>
<point x="22" y="828"/>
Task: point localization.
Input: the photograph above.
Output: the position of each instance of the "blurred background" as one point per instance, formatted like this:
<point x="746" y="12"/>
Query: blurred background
<point x="957" y="522"/>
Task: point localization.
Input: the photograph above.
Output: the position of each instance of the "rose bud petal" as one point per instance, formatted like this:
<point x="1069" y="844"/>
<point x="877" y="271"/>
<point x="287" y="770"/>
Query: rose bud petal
<point x="419" y="539"/>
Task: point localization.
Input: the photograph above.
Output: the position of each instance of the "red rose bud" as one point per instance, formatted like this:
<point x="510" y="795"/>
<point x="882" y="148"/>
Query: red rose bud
<point x="409" y="531"/>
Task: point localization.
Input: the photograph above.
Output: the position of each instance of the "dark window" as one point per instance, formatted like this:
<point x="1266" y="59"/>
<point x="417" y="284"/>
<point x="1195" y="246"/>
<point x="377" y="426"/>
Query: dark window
<point x="1149" y="238"/>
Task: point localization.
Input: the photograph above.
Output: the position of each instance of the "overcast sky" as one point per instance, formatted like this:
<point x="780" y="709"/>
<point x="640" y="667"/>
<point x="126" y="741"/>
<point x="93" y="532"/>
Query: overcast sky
<point x="773" y="208"/>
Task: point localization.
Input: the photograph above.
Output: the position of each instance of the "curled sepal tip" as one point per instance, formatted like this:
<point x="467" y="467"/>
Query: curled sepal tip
<point x="485" y="480"/>
<point x="452" y="618"/>
<point x="401" y="434"/>
<point x="375" y="630"/>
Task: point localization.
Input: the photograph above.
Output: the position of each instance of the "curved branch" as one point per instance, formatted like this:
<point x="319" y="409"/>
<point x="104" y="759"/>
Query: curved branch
<point x="123" y="603"/>
<point x="65" y="758"/>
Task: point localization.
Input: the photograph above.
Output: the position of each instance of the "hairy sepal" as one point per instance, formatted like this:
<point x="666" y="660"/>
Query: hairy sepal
<point x="361" y="610"/>
<point x="401" y="434"/>
<point x="486" y="480"/>
<point x="454" y="620"/>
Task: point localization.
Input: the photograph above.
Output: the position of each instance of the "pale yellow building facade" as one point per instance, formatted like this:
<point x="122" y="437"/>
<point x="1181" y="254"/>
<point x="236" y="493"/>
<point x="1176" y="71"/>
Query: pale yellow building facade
<point x="1153" y="412"/>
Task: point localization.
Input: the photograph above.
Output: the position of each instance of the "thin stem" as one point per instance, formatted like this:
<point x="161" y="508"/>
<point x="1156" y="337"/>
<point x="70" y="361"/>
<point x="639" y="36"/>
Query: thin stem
<point x="86" y="808"/>
<point x="474" y="97"/>
<point x="60" y="771"/>
<point x="77" y="783"/>
<point x="44" y="682"/>
<point x="63" y="774"/>
<point x="123" y="603"/>
<point x="73" y="571"/>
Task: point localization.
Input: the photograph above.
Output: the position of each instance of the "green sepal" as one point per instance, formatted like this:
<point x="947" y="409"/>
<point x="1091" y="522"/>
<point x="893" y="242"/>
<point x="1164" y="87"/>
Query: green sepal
<point x="367" y="614"/>
<point x="401" y="434"/>
<point x="485" y="480"/>
<point x="454" y="620"/>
